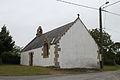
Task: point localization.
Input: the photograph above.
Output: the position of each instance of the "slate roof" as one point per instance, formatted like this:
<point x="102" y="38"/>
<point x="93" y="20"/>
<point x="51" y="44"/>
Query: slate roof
<point x="53" y="36"/>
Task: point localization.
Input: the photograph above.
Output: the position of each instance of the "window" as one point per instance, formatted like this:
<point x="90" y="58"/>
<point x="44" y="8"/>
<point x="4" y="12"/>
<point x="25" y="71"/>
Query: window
<point x="46" y="50"/>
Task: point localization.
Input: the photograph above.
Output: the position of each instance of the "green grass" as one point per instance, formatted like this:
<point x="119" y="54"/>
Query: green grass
<point x="111" y="68"/>
<point x="18" y="70"/>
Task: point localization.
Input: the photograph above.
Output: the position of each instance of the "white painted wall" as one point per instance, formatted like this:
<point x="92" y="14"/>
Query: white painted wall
<point x="78" y="48"/>
<point x="38" y="59"/>
<point x="24" y="58"/>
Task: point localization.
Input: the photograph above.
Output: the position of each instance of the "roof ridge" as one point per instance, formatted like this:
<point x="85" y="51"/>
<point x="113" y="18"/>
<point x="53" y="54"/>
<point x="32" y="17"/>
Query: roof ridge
<point x="58" y="27"/>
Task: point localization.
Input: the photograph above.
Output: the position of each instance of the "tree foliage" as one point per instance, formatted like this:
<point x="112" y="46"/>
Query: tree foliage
<point x="9" y="53"/>
<point x="10" y="58"/>
<point x="116" y="48"/>
<point x="6" y="42"/>
<point x="106" y="38"/>
<point x="110" y="49"/>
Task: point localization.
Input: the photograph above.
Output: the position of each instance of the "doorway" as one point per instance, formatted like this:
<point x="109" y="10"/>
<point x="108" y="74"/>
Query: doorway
<point x="31" y="59"/>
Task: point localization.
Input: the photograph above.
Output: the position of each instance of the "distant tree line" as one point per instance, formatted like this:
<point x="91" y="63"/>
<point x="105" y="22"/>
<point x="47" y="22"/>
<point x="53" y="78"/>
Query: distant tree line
<point x="9" y="53"/>
<point x="111" y="49"/>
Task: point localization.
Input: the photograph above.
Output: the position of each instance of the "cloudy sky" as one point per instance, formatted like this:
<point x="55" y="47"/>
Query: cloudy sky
<point x="22" y="17"/>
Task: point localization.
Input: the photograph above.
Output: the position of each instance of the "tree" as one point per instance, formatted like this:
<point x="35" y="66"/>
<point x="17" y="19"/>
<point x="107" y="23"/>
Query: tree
<point x="17" y="49"/>
<point x="116" y="48"/>
<point x="9" y="53"/>
<point x="118" y="58"/>
<point x="107" y="42"/>
<point x="6" y="42"/>
<point x="108" y="51"/>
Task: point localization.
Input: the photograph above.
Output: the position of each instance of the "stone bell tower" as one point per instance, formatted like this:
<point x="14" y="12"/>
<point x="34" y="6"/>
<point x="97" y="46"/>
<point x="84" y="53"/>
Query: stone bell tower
<point x="39" y="31"/>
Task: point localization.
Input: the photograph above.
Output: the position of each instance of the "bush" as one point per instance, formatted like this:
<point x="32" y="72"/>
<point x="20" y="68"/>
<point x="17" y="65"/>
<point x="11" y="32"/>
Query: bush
<point x="109" y="62"/>
<point x="118" y="58"/>
<point x="109" y="59"/>
<point x="0" y="61"/>
<point x="10" y="58"/>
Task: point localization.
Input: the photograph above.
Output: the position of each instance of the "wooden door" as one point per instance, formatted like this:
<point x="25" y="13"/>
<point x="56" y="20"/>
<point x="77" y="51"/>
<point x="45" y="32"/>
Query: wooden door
<point x="31" y="59"/>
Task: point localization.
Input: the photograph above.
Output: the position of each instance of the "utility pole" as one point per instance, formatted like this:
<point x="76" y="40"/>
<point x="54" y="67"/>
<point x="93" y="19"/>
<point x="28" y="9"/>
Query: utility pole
<point x="101" y="38"/>
<point x="101" y="35"/>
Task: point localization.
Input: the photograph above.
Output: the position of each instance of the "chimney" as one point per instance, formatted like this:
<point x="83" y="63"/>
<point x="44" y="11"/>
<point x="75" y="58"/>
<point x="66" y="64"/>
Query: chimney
<point x="78" y="15"/>
<point x="39" y="31"/>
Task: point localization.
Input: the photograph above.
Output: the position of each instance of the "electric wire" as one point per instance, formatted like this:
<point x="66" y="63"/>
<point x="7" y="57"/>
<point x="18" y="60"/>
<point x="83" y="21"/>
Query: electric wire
<point x="106" y="11"/>
<point x="111" y="12"/>
<point x="115" y="31"/>
<point x="112" y="4"/>
<point x="77" y="4"/>
<point x="104" y="20"/>
<point x="88" y="7"/>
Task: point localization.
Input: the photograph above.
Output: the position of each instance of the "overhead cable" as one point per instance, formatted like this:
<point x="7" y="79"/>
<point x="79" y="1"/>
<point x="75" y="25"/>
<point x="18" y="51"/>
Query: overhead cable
<point x="89" y="7"/>
<point x="111" y="4"/>
<point x="77" y="4"/>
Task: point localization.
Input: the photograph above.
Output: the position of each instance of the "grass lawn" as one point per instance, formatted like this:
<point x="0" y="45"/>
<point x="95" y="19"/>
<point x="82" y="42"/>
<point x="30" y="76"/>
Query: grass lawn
<point x="111" y="68"/>
<point x="18" y="70"/>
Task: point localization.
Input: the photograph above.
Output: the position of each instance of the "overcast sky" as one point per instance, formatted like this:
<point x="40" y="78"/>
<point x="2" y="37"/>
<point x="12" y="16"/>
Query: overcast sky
<point x="22" y="17"/>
